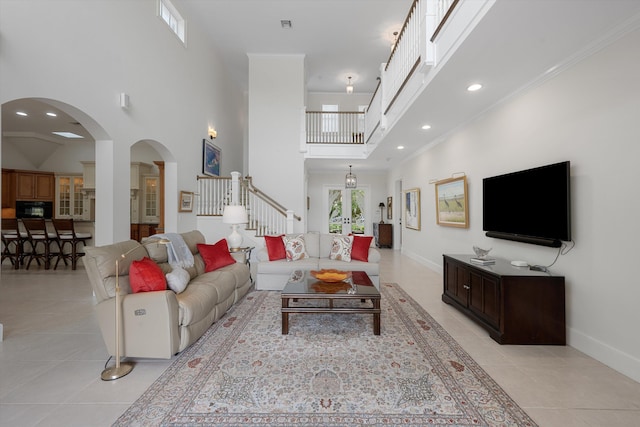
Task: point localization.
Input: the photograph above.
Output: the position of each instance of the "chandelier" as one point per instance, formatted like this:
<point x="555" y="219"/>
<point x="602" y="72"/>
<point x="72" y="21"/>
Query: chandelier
<point x="350" y="180"/>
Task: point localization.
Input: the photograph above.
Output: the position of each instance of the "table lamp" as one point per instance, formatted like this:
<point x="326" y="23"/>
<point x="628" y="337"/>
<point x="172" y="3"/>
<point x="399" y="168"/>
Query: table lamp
<point x="381" y="206"/>
<point x="234" y="215"/>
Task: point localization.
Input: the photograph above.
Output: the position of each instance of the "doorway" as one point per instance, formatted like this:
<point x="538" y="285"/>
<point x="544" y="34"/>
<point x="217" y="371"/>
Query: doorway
<point x="346" y="210"/>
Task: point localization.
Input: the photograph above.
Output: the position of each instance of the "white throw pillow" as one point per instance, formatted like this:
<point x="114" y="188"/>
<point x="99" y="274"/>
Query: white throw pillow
<point x="294" y="247"/>
<point x="341" y="248"/>
<point x="178" y="279"/>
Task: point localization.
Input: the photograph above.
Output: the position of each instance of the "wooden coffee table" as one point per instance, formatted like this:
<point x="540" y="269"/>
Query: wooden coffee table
<point x="302" y="286"/>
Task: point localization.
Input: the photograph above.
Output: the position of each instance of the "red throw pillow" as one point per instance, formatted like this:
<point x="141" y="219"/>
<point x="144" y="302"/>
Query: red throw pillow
<point x="146" y="276"/>
<point x="360" y="248"/>
<point x="275" y="247"/>
<point x="215" y="256"/>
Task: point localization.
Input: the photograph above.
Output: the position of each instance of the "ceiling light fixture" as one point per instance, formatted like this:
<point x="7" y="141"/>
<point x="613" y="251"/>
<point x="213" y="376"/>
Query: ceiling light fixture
<point x="426" y="127"/>
<point x="21" y="113"/>
<point x="350" y="180"/>
<point x="474" y="87"/>
<point x="68" y="135"/>
<point x="349" y="85"/>
<point x="395" y="40"/>
<point x="400" y="147"/>
<point x="285" y="24"/>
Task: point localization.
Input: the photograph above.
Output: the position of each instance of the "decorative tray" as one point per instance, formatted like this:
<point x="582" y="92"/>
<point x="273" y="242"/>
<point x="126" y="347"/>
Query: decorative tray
<point x="330" y="275"/>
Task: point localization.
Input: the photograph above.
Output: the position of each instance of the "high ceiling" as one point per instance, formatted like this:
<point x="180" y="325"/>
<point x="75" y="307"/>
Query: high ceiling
<point x="517" y="44"/>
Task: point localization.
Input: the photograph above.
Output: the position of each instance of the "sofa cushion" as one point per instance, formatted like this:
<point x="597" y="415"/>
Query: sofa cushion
<point x="295" y="247"/>
<point x="360" y="248"/>
<point x="196" y="302"/>
<point x="312" y="244"/>
<point x="146" y="276"/>
<point x="215" y="256"/>
<point x="275" y="247"/>
<point x="341" y="248"/>
<point x="178" y="279"/>
<point x="285" y="267"/>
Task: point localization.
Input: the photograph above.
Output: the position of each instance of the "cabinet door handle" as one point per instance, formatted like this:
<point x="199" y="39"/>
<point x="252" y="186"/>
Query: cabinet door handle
<point x="467" y="287"/>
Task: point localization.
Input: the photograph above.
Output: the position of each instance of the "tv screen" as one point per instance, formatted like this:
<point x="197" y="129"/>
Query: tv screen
<point x="532" y="205"/>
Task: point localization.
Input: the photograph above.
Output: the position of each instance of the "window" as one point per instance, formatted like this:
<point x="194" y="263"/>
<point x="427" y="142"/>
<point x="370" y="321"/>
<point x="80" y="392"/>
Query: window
<point x="170" y="15"/>
<point x="69" y="197"/>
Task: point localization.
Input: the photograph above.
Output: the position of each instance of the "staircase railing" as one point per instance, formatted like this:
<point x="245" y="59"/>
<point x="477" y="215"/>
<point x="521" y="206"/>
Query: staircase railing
<point x="266" y="216"/>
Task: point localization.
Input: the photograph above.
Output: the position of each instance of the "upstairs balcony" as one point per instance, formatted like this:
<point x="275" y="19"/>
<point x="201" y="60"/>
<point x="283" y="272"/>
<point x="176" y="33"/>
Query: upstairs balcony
<point x="429" y="36"/>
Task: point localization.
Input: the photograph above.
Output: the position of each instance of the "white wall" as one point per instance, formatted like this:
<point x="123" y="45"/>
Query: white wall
<point x="276" y="106"/>
<point x="588" y="114"/>
<point x="84" y="57"/>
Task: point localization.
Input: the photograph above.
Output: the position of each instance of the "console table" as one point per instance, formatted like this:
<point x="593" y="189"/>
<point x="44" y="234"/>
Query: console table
<point x="514" y="304"/>
<point x="383" y="234"/>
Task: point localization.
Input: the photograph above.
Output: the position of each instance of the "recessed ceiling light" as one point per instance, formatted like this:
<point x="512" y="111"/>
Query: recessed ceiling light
<point x="474" y="87"/>
<point x="21" y="113"/>
<point x="50" y="114"/>
<point x="400" y="147"/>
<point x="68" y="135"/>
<point x="425" y="127"/>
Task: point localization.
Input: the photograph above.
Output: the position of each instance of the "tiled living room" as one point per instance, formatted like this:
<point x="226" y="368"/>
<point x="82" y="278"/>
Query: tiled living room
<point x="53" y="353"/>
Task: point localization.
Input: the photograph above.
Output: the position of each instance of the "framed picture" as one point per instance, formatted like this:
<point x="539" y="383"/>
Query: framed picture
<point x="211" y="155"/>
<point x="186" y="202"/>
<point x="389" y="208"/>
<point x="412" y="208"/>
<point x="452" y="205"/>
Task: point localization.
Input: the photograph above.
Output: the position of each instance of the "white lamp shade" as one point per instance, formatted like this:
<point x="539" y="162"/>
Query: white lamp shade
<point x="234" y="214"/>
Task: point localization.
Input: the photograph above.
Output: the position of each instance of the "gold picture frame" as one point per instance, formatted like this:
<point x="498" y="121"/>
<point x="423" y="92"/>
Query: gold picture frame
<point x="389" y="208"/>
<point x="185" y="202"/>
<point x="452" y="204"/>
<point x="412" y="209"/>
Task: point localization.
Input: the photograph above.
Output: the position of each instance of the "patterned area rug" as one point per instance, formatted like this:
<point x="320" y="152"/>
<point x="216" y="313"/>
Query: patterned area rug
<point x="329" y="371"/>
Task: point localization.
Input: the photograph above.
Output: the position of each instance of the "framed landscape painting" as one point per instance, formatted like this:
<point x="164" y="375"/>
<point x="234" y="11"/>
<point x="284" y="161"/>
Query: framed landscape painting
<point x="211" y="155"/>
<point x="412" y="208"/>
<point x="452" y="205"/>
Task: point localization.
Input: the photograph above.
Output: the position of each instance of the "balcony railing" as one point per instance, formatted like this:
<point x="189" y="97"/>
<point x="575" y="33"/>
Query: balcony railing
<point x="335" y="127"/>
<point x="413" y="51"/>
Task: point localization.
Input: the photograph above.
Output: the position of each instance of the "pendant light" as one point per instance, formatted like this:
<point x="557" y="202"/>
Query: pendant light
<point x="350" y="180"/>
<point x="349" y="85"/>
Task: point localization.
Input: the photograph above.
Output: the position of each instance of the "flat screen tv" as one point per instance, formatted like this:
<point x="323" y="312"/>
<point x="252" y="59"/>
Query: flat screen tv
<point x="531" y="206"/>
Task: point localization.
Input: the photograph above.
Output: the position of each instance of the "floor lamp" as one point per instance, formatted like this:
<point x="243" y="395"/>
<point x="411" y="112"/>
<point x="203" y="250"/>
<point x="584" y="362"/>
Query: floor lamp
<point x="123" y="368"/>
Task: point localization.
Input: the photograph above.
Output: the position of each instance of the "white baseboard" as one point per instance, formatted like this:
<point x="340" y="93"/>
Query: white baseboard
<point x="610" y="356"/>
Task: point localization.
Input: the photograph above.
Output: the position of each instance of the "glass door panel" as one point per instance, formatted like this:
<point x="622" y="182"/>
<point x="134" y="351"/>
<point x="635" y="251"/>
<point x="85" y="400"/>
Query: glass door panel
<point x="346" y="211"/>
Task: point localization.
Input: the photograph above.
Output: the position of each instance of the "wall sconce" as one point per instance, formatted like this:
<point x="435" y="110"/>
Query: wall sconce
<point x="212" y="133"/>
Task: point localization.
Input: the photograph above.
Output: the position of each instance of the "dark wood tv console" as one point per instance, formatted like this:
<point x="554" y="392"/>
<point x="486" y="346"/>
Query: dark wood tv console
<point x="516" y="305"/>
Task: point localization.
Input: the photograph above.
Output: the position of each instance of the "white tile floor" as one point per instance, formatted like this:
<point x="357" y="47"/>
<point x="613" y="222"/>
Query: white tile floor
<point x="52" y="356"/>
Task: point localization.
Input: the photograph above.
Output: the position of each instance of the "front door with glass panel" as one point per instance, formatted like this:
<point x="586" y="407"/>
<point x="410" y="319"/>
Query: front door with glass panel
<point x="346" y="210"/>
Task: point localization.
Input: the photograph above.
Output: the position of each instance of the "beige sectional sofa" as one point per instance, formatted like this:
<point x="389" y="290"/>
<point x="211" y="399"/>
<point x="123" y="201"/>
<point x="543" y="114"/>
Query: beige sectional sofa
<point x="273" y="275"/>
<point x="162" y="323"/>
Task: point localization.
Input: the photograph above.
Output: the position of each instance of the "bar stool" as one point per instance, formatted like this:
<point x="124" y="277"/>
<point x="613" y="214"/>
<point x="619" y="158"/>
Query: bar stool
<point x="11" y="237"/>
<point x="66" y="234"/>
<point x="37" y="235"/>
